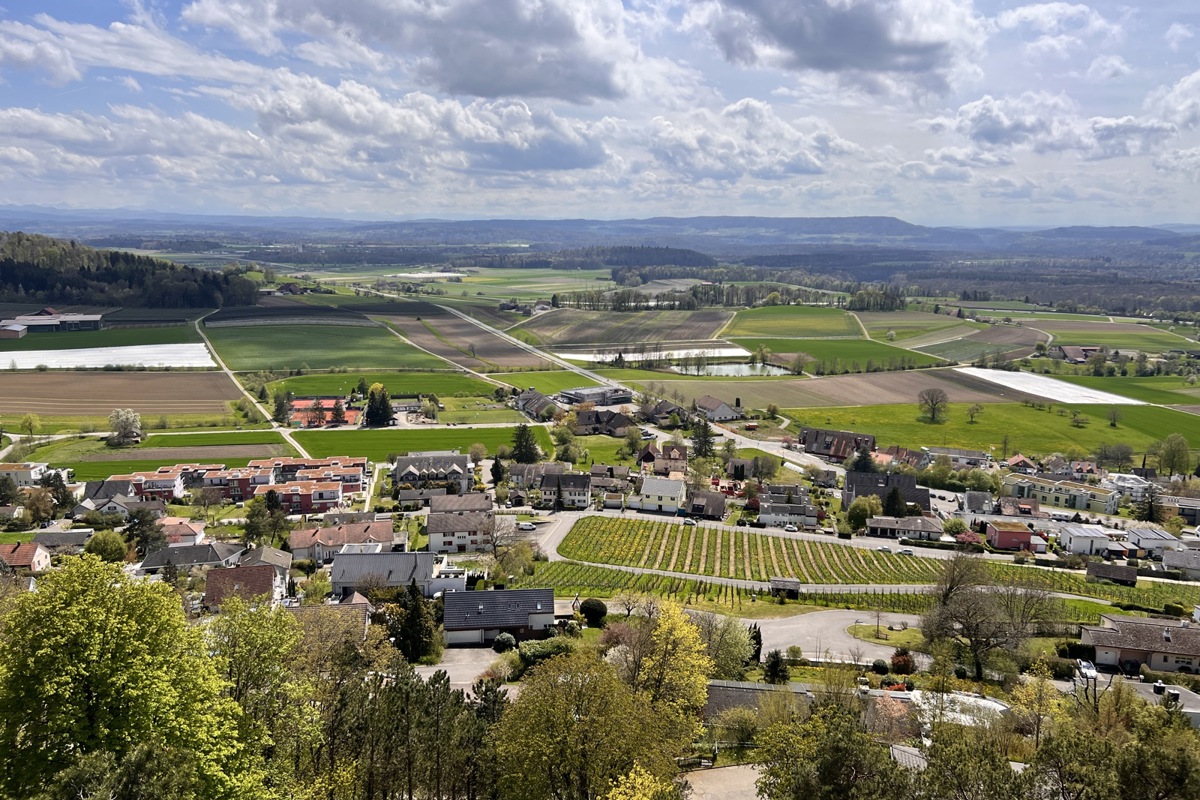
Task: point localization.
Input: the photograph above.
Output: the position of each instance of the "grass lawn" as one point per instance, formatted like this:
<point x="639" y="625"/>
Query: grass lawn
<point x="398" y="384"/>
<point x="1148" y="339"/>
<point x="548" y="383"/>
<point x="17" y="538"/>
<point x="211" y="439"/>
<point x="791" y="321"/>
<point x="839" y="354"/>
<point x="113" y="337"/>
<point x="184" y="422"/>
<point x="376" y="444"/>
<point x="906" y="324"/>
<point x="911" y="638"/>
<point x="1028" y="430"/>
<point x="318" y="347"/>
<point x="1164" y="390"/>
<point x="602" y="450"/>
<point x="477" y="411"/>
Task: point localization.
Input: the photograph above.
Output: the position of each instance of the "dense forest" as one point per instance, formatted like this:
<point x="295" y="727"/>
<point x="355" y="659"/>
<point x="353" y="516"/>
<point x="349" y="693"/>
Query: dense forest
<point x="39" y="269"/>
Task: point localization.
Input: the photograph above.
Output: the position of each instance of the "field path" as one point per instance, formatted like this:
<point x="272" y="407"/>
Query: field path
<point x="284" y="431"/>
<point x="866" y="334"/>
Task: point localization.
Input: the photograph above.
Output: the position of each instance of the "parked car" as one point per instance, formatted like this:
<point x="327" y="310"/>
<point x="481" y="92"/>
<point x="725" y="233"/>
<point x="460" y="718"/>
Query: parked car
<point x="883" y="548"/>
<point x="1087" y="670"/>
<point x="790" y="529"/>
<point x="526" y="526"/>
<point x="648" y="435"/>
<point x="689" y="521"/>
<point x="907" y="551"/>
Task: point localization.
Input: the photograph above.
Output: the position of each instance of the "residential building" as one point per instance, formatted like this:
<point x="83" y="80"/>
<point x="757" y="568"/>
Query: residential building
<point x="1186" y="561"/>
<point x="213" y="555"/>
<point x="602" y="421"/>
<point x="778" y="515"/>
<point x="413" y="499"/>
<point x="1128" y="642"/>
<point x="1053" y="494"/>
<point x="323" y="543"/>
<point x="567" y="490"/>
<point x="273" y="557"/>
<point x="599" y="395"/>
<point x="1151" y="539"/>
<point x="917" y="528"/>
<point x="25" y="474"/>
<point x="1084" y="540"/>
<point x="665" y="495"/>
<point x="536" y="405"/>
<point x="471" y="531"/>
<point x="1014" y="535"/>
<point x="351" y="478"/>
<point x="880" y="484"/>
<point x="239" y="484"/>
<point x="119" y="506"/>
<point x="479" y="617"/>
<point x="959" y="458"/>
<point x="1114" y="573"/>
<point x="835" y="446"/>
<point x="718" y="410"/>
<point x="64" y="543"/>
<point x="460" y="503"/>
<point x="249" y="583"/>
<point x="432" y="573"/>
<point x="29" y="556"/>
<point x="1128" y="484"/>
<point x="1021" y="464"/>
<point x="1073" y="354"/>
<point x="707" y="505"/>
<point x="1021" y="507"/>
<point x="614" y="472"/>
<point x="182" y="532"/>
<point x="529" y="476"/>
<point x="1186" y="507"/>
<point x="661" y="413"/>
<point x="1085" y="470"/>
<point x="165" y="485"/>
<point x="783" y="493"/>
<point x="289" y="466"/>
<point x="886" y="458"/>
<point x="978" y="502"/>
<point x="305" y="497"/>
<point x="447" y="467"/>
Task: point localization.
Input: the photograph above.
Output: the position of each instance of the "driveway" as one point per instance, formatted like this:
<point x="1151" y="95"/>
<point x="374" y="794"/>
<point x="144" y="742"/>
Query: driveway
<point x="724" y="783"/>
<point x="463" y="665"/>
<point x="824" y="632"/>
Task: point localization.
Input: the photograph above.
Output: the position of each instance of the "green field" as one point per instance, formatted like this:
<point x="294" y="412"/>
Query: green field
<point x="377" y="444"/>
<point x="791" y="321"/>
<point x="211" y="439"/>
<point x="477" y="411"/>
<point x="1029" y="430"/>
<point x="112" y="337"/>
<point x="840" y="355"/>
<point x="533" y="283"/>
<point x="258" y="347"/>
<point x="88" y="423"/>
<point x="602" y="450"/>
<point x="966" y="349"/>
<point x="548" y="383"/>
<point x="906" y="324"/>
<point x="398" y="384"/>
<point x="1164" y="390"/>
<point x="1148" y="339"/>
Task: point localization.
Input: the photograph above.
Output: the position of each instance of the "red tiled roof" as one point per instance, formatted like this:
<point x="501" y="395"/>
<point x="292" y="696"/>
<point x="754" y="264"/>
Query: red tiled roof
<point x="244" y="582"/>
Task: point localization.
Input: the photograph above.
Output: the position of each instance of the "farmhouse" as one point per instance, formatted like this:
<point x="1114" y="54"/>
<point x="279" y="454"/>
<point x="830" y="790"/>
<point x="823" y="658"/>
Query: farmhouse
<point x="918" y="528"/>
<point x="609" y="423"/>
<point x="1129" y="642"/>
<point x="29" y="556"/>
<point x="447" y="466"/>
<point x="534" y="404"/>
<point x="479" y="617"/>
<point x="717" y="410"/>
<point x="1061" y="494"/>
<point x="865" y="484"/>
<point x="432" y="573"/>
<point x="321" y="544"/>
<point x="660" y="494"/>
<point x="50" y="320"/>
<point x="1014" y="535"/>
<point x="836" y="446"/>
<point x="599" y="395"/>
<point x="661" y="413"/>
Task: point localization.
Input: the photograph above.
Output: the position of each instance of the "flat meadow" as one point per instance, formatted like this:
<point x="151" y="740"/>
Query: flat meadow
<point x="259" y="347"/>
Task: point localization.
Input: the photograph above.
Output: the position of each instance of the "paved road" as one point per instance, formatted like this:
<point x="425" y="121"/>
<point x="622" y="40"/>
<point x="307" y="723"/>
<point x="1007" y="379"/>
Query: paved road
<point x="822" y="634"/>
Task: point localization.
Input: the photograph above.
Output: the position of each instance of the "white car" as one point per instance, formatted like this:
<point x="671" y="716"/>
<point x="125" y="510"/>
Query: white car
<point x="526" y="526"/>
<point x="790" y="529"/>
<point x="883" y="548"/>
<point x="1087" y="670"/>
<point x="689" y="521"/>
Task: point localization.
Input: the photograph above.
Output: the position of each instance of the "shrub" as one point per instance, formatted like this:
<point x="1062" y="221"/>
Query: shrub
<point x="504" y="642"/>
<point x="1174" y="609"/>
<point x="775" y="669"/>
<point x="1071" y="649"/>
<point x="960" y="672"/>
<point x="305" y="565"/>
<point x="572" y="630"/>
<point x="594" y="611"/>
<point x="902" y="662"/>
<point x="535" y="652"/>
<point x="879" y="667"/>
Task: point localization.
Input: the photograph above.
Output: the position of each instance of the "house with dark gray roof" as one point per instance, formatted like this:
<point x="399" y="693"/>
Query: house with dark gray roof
<point x="568" y="490"/>
<point x="213" y="554"/>
<point x="1186" y="561"/>
<point x="836" y="446"/>
<point x="479" y="617"/>
<point x="449" y="467"/>
<point x="707" y="505"/>
<point x="64" y="543"/>
<point x="865" y="484"/>
<point x="360" y="572"/>
<point x="460" y="503"/>
<point x="1165" y="645"/>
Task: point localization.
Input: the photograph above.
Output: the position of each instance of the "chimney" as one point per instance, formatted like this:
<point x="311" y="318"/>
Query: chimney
<point x="1166" y="634"/>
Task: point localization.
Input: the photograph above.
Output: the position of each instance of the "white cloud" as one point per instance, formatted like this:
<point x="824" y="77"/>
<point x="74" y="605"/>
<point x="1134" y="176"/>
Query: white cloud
<point x="1185" y="162"/>
<point x="1106" y="68"/>
<point x="47" y="56"/>
<point x="1180" y="103"/>
<point x="1177" y="34"/>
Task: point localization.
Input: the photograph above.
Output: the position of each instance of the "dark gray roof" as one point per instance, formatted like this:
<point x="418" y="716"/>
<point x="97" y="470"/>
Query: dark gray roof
<point x="503" y="608"/>
<point x="456" y="523"/>
<point x="406" y="495"/>
<point x="64" y="539"/>
<point x="1112" y="572"/>
<point x="431" y="462"/>
<point x="450" y="503"/>
<point x="928" y="524"/>
<point x="192" y="555"/>
<point x="103" y="490"/>
<point x="272" y="556"/>
<point x="1144" y="634"/>
<point x="394" y="569"/>
<point x="567" y="481"/>
<point x="1181" y="559"/>
<point x="861" y="484"/>
<point x="709" y="504"/>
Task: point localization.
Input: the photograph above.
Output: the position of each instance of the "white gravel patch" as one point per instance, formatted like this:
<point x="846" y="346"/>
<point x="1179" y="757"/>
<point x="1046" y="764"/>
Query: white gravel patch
<point x="638" y="355"/>
<point x="1056" y="390"/>
<point x="147" y="355"/>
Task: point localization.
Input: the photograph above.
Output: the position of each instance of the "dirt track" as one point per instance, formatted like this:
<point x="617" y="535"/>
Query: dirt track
<point x="98" y="393"/>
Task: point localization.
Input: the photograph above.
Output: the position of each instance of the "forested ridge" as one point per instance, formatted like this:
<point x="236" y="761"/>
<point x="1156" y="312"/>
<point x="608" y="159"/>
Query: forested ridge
<point x="41" y="269"/>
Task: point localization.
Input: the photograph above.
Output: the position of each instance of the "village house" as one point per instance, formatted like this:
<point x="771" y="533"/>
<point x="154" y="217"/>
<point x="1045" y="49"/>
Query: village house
<point x="1128" y="642"/>
<point x="916" y="528"/>
<point x="717" y="410"/>
<point x="64" y="543"/>
<point x="780" y="515"/>
<point x="472" y="531"/>
<point x="444" y="466"/>
<point x="321" y="544"/>
<point x="529" y="476"/>
<point x="739" y="469"/>
<point x="165" y="484"/>
<point x="1151" y="539"/>
<point x="707" y="505"/>
<point x="959" y="458"/>
<point x="596" y="422"/>
<point x="571" y="490"/>
<point x="1003" y="535"/>
<point x="25" y="474"/>
<point x="211" y="555"/>
<point x="248" y="583"/>
<point x="865" y="484"/>
<point x="359" y="572"/>
<point x="180" y="532"/>
<point x="273" y="557"/>
<point x="460" y="503"/>
<point x="894" y="455"/>
<point x="1113" y="573"/>
<point x="1186" y="561"/>
<point x="1021" y="464"/>
<point x="27" y="556"/>
<point x="1074" y="354"/>
<point x="118" y="506"/>
<point x="835" y="446"/>
<point x="305" y="497"/>
<point x="1084" y="540"/>
<point x="479" y="617"/>
<point x="414" y="499"/>
<point x="664" y="495"/>
<point x="1061" y="494"/>
<point x="665" y="460"/>
<point x="1021" y="507"/>
<point x="239" y="484"/>
<point x="536" y="405"/>
<point x="1128" y="484"/>
<point x="660" y="413"/>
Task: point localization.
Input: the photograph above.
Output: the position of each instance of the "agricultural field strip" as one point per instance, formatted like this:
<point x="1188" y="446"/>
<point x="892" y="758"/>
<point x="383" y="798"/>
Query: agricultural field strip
<point x="1059" y="391"/>
<point x="190" y="355"/>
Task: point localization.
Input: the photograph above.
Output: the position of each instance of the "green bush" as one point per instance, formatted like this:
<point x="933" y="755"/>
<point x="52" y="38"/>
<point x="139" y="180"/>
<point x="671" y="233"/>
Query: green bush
<point x="504" y="642"/>
<point x="880" y="667"/>
<point x="535" y="652"/>
<point x="1071" y="649"/>
<point x="1174" y="609"/>
<point x="594" y="611"/>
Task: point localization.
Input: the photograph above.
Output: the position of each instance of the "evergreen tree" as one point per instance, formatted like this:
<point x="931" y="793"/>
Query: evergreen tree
<point x="775" y="669"/>
<point x="1149" y="509"/>
<point x="498" y="472"/>
<point x="338" y="416"/>
<point x="862" y="461"/>
<point x="702" y="439"/>
<point x="525" y="448"/>
<point x="282" y="412"/>
<point x="893" y="503"/>
<point x="379" y="407"/>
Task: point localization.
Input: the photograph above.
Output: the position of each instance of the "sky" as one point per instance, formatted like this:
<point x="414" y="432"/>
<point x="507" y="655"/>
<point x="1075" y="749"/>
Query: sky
<point x="941" y="112"/>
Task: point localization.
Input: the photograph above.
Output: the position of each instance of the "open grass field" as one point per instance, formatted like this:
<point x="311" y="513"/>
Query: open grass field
<point x="459" y="341"/>
<point x="906" y="324"/>
<point x="602" y="450"/>
<point x="535" y="283"/>
<point x="93" y="460"/>
<point x="1163" y="390"/>
<point x="1114" y="335"/>
<point x="377" y="444"/>
<point x="398" y="384"/>
<point x="735" y="553"/>
<point x="548" y="383"/>
<point x="1029" y="430"/>
<point x="158" y="440"/>
<point x="76" y="395"/>
<point x="317" y="347"/>
<point x="792" y="321"/>
<point x="842" y="355"/>
<point x="477" y="411"/>
<point x="1010" y="340"/>
<point x="112" y="337"/>
<point x="573" y="326"/>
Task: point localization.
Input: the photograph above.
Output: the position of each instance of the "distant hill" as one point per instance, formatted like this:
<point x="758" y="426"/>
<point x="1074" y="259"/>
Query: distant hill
<point x="40" y="269"/>
<point x="1111" y="234"/>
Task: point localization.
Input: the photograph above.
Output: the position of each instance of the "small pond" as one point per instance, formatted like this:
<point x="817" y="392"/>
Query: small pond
<point x="735" y="370"/>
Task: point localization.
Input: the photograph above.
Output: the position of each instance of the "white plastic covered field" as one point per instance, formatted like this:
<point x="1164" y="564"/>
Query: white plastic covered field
<point x="147" y="355"/>
<point x="1051" y="389"/>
